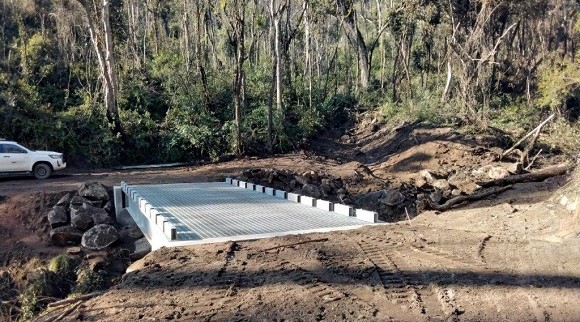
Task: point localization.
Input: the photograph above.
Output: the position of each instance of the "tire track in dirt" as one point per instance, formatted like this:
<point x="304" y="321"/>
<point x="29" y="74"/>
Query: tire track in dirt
<point x="313" y="284"/>
<point x="450" y="260"/>
<point x="401" y="286"/>
<point x="221" y="297"/>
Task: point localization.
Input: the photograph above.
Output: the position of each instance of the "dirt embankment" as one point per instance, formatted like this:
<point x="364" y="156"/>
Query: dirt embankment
<point x="510" y="257"/>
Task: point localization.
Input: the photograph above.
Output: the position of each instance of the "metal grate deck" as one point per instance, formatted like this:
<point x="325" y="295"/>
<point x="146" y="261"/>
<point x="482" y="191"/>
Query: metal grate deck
<point x="217" y="211"/>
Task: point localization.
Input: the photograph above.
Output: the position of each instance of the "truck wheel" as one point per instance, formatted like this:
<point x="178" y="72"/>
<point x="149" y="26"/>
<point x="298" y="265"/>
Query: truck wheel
<point x="42" y="171"/>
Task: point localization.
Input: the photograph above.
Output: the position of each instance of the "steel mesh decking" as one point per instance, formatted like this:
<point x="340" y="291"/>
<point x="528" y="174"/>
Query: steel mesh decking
<point x="213" y="210"/>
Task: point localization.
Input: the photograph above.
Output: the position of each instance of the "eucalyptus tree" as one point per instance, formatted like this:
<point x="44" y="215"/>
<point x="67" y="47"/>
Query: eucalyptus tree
<point x="97" y="21"/>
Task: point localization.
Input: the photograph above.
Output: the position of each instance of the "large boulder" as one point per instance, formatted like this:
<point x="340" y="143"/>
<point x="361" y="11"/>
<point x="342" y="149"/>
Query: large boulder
<point x="57" y="217"/>
<point x="99" y="237"/>
<point x="302" y="180"/>
<point x="79" y="201"/>
<point x="139" y="249"/>
<point x="66" y="236"/>
<point x="392" y="197"/>
<point x="311" y="190"/>
<point x="100" y="215"/>
<point x="129" y="234"/>
<point x="94" y="191"/>
<point x="64" y="201"/>
<point x="81" y="217"/>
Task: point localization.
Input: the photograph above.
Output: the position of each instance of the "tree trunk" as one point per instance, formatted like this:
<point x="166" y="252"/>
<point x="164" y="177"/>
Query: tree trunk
<point x="103" y="44"/>
<point x="353" y="31"/>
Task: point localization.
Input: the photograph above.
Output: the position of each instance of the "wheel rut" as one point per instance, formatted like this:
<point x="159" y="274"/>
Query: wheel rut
<point x="399" y="279"/>
<point x="228" y="280"/>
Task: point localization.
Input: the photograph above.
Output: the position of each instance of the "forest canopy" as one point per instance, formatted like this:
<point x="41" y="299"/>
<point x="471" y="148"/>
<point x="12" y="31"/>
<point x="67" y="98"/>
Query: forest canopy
<point x="129" y="81"/>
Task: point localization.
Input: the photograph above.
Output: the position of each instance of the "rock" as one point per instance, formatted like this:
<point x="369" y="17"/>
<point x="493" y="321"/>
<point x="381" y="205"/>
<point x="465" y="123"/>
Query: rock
<point x="130" y="234"/>
<point x="341" y="191"/>
<point x="140" y="248"/>
<point x="441" y="184"/>
<point x="463" y="183"/>
<point x="302" y="180"/>
<point x="109" y="207"/>
<point x="481" y="173"/>
<point x="94" y="191"/>
<point x="64" y="201"/>
<point x="311" y="190"/>
<point x="392" y="198"/>
<point x="456" y="192"/>
<point x="79" y="201"/>
<point x="326" y="188"/>
<point x="100" y="216"/>
<point x="371" y="198"/>
<point x="420" y="183"/>
<point x="514" y="168"/>
<point x="436" y="196"/>
<point x="80" y="217"/>
<point x="336" y="184"/>
<point x="74" y="250"/>
<point x="497" y="173"/>
<point x="345" y="139"/>
<point x="99" y="237"/>
<point x="431" y="176"/>
<point x="66" y="236"/>
<point x="292" y="185"/>
<point x="57" y="217"/>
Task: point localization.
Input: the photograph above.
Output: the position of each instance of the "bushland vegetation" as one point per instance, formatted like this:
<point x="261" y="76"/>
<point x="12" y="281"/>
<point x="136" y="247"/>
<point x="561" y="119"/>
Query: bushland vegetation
<point x="131" y="81"/>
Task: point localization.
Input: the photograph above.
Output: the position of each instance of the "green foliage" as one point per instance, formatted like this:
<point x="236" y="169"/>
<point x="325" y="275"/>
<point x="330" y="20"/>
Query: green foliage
<point x="563" y="136"/>
<point x="88" y="281"/>
<point x="175" y="69"/>
<point x="29" y="304"/>
<point x="63" y="265"/>
<point x="425" y="107"/>
<point x="559" y="84"/>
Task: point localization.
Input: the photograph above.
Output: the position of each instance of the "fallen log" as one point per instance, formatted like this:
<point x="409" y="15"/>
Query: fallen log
<point x="535" y="132"/>
<point x="540" y="175"/>
<point x="74" y="299"/>
<point x="460" y="199"/>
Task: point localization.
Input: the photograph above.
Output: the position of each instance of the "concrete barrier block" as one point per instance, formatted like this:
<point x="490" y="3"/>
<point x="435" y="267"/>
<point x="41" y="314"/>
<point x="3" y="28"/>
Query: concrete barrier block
<point x="153" y="214"/>
<point x="259" y="188"/>
<point x="242" y="184"/>
<point x="324" y="205"/>
<point x="160" y="219"/>
<point x="250" y="186"/>
<point x="148" y="208"/>
<point x="280" y="194"/>
<point x="308" y="201"/>
<point x="269" y="191"/>
<point x="170" y="230"/>
<point x="229" y="180"/>
<point x="118" y="199"/>
<point x="235" y="182"/>
<point x="293" y="197"/>
<point x="141" y="202"/>
<point x="366" y="215"/>
<point x="343" y="209"/>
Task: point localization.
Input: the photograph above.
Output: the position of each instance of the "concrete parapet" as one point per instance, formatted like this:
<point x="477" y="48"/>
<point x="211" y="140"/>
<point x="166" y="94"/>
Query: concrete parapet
<point x="343" y="209"/>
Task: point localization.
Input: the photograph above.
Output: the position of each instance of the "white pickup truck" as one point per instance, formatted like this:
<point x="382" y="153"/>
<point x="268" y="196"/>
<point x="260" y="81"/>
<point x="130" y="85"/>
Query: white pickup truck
<point x="16" y="159"/>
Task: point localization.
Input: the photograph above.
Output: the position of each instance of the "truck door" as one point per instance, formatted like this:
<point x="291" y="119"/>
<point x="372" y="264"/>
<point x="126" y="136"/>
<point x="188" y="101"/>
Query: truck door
<point x="13" y="158"/>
